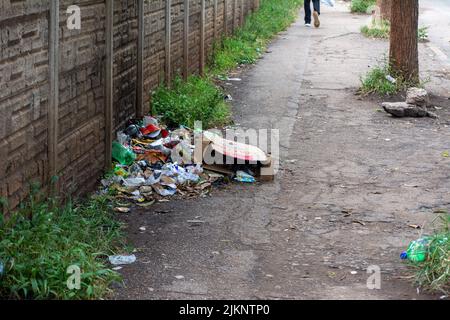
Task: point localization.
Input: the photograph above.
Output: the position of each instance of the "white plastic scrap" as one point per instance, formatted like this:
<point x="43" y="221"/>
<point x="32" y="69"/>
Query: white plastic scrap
<point x="122" y="259"/>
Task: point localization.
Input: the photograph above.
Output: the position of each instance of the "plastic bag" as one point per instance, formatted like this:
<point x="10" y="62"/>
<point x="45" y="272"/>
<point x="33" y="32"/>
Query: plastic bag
<point x="330" y="3"/>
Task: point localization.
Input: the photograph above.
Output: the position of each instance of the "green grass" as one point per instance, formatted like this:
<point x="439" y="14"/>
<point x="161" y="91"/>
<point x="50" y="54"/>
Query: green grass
<point x="376" y="82"/>
<point x="423" y="34"/>
<point x="40" y="240"/>
<point x="197" y="99"/>
<point x="362" y="6"/>
<point x="434" y="273"/>
<point x="380" y="30"/>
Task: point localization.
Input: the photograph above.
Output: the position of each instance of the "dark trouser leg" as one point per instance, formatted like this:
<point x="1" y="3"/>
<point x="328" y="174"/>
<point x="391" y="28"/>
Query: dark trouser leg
<point x="316" y="4"/>
<point x="308" y="11"/>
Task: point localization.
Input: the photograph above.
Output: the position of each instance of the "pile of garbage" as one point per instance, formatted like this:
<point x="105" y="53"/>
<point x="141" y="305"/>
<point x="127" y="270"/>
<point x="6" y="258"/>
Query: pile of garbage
<point x="152" y="163"/>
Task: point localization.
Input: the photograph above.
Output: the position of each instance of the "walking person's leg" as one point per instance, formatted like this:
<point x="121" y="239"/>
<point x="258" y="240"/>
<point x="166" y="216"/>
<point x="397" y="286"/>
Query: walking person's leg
<point x="316" y="13"/>
<point x="308" y="12"/>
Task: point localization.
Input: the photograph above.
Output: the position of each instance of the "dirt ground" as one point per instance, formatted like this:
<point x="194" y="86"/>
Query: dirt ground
<point x="352" y="180"/>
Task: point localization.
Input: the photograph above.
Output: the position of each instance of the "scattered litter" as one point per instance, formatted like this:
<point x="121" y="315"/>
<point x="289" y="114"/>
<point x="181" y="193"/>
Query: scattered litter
<point x="242" y="176"/>
<point x="234" y="79"/>
<point x="122" y="210"/>
<point x="414" y="226"/>
<point x="418" y="249"/>
<point x="143" y="229"/>
<point x="391" y="79"/>
<point x="228" y="97"/>
<point x="330" y="3"/>
<point x="117" y="268"/>
<point x="196" y="221"/>
<point x="279" y="207"/>
<point x="354" y="272"/>
<point x="179" y="277"/>
<point x="359" y="222"/>
<point x="446" y="154"/>
<point x="122" y="259"/>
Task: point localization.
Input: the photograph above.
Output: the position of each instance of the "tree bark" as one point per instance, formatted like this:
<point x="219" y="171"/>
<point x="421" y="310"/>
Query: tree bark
<point x="385" y="9"/>
<point x="404" y="52"/>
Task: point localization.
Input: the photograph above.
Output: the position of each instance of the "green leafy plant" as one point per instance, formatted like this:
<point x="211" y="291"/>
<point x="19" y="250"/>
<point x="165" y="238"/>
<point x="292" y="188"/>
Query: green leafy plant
<point x="44" y="237"/>
<point x="423" y="34"/>
<point x="362" y="6"/>
<point x="382" y="30"/>
<point x="379" y="30"/>
<point x="196" y="99"/>
<point x="384" y="81"/>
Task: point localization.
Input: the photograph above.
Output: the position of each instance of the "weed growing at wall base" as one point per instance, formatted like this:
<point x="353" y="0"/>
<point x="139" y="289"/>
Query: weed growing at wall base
<point x="44" y="238"/>
<point x="197" y="99"/>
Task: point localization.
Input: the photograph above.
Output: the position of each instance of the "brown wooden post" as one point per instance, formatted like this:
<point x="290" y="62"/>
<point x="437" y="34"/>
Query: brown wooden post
<point x="202" y="37"/>
<point x="168" y="42"/>
<point x="225" y="17"/>
<point x="242" y="12"/>
<point x="186" y="39"/>
<point x="109" y="82"/>
<point x="140" y="61"/>
<point x="215" y="20"/>
<point x="54" y="89"/>
<point x="234" y="14"/>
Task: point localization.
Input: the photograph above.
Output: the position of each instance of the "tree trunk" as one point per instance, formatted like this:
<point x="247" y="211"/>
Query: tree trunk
<point x="385" y="9"/>
<point x="404" y="52"/>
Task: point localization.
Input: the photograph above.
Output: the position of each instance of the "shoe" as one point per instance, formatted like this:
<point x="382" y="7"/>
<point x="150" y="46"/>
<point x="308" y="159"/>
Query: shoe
<point x="316" y="19"/>
<point x="308" y="25"/>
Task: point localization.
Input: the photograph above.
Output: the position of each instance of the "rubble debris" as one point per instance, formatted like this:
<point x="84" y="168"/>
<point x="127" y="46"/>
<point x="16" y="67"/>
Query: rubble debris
<point x="403" y="109"/>
<point x="415" y="106"/>
<point x="418" y="97"/>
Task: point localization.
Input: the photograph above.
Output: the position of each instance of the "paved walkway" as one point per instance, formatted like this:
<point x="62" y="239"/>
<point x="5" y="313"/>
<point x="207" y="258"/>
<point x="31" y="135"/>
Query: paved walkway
<point x="352" y="181"/>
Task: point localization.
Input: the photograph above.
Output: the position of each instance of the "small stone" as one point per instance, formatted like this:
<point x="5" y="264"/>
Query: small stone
<point x="179" y="277"/>
<point x="418" y="97"/>
<point x="403" y="109"/>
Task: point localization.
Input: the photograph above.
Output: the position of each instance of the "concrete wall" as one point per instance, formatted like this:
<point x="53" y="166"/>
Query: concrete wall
<point x="81" y="137"/>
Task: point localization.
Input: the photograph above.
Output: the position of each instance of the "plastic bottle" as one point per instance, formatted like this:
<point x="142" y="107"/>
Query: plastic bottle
<point x="417" y="250"/>
<point x="122" y="154"/>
